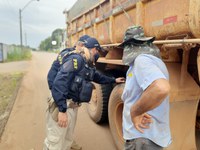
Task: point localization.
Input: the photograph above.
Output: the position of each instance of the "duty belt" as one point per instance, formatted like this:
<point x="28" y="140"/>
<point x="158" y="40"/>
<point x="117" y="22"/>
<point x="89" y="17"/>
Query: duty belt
<point x="71" y="104"/>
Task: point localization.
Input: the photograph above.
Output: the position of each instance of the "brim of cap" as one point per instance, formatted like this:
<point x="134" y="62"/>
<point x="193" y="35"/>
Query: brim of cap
<point x="136" y="40"/>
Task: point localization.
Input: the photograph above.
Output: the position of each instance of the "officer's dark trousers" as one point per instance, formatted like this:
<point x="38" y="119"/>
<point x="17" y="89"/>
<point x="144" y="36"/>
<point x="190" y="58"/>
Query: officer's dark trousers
<point x="141" y="144"/>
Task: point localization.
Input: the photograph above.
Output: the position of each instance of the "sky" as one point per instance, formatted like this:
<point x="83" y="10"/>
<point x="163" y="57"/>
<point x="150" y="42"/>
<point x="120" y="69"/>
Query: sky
<point x="39" y="20"/>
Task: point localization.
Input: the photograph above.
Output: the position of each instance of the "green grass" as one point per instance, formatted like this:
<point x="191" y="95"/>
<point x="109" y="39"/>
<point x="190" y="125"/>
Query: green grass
<point x="9" y="84"/>
<point x="16" y="54"/>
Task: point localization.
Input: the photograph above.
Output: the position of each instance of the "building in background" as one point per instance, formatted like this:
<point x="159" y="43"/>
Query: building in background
<point x="3" y="52"/>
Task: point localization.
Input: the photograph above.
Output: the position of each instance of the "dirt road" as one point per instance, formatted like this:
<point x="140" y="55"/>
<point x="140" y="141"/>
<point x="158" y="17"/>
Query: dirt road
<point x="20" y="66"/>
<point x="25" y="129"/>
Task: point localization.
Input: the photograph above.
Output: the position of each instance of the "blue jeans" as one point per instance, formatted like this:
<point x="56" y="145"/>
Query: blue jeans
<point x="141" y="144"/>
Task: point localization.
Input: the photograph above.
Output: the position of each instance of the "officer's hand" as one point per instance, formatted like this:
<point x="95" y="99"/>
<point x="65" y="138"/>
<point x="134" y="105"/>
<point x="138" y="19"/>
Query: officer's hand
<point x="120" y="80"/>
<point x="62" y="119"/>
<point x="141" y="122"/>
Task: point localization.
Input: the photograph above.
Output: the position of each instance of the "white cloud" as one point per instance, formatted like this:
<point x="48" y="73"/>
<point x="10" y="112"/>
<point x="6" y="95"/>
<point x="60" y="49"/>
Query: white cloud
<point x="39" y="19"/>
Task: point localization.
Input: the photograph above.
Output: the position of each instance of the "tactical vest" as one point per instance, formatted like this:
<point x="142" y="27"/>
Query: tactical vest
<point x="81" y="86"/>
<point x="87" y="72"/>
<point x="64" y="53"/>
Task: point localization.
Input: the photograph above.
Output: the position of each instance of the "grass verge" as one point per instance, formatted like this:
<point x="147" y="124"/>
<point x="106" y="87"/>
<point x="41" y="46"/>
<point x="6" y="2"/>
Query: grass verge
<point x="17" y="54"/>
<point x="9" y="85"/>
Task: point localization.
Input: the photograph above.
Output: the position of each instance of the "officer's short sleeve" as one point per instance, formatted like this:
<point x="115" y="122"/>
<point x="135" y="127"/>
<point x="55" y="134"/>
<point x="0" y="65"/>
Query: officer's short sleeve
<point x="146" y="71"/>
<point x="72" y="65"/>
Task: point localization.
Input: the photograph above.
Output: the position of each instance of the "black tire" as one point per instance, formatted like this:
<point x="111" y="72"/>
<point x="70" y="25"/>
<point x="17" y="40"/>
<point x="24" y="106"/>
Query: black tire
<point x="115" y="110"/>
<point x="98" y="105"/>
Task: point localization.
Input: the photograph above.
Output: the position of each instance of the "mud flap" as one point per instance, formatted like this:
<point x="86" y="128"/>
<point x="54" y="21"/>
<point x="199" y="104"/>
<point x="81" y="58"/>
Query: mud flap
<point x="182" y="124"/>
<point x="184" y="100"/>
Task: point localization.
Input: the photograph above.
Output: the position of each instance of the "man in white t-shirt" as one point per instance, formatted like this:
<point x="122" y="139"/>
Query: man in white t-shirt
<point x="145" y="96"/>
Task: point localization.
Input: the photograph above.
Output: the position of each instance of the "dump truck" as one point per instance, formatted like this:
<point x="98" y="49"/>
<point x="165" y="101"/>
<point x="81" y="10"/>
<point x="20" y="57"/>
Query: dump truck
<point x="176" y="26"/>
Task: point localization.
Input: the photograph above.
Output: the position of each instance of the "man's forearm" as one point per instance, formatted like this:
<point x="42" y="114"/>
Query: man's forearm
<point x="152" y="97"/>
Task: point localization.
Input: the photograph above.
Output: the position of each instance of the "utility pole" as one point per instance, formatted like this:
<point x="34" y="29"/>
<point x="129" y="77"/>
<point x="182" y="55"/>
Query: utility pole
<point x="20" y="27"/>
<point x="25" y="38"/>
<point x="20" y="21"/>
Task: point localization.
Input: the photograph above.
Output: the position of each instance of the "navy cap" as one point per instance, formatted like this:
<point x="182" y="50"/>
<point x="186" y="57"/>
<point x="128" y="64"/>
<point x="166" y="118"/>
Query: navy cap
<point x="92" y="42"/>
<point x="83" y="38"/>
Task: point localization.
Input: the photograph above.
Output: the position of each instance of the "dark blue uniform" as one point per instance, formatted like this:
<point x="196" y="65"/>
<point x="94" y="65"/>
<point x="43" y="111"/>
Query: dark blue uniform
<point x="74" y="66"/>
<point x="56" y="66"/>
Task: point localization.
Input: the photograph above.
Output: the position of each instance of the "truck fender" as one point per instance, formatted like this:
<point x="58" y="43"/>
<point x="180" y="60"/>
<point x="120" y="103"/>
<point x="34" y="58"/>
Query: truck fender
<point x="115" y="109"/>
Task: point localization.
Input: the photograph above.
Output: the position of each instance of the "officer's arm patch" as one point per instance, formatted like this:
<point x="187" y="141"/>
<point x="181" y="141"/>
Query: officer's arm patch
<point x="60" y="59"/>
<point x="70" y="65"/>
<point x="75" y="63"/>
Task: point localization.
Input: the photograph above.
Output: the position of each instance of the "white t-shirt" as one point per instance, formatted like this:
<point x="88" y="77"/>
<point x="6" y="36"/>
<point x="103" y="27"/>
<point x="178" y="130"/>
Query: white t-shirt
<point x="146" y="69"/>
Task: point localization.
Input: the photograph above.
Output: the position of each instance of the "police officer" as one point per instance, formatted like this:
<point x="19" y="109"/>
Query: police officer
<point x="72" y="86"/>
<point x="56" y="66"/>
<point x="57" y="63"/>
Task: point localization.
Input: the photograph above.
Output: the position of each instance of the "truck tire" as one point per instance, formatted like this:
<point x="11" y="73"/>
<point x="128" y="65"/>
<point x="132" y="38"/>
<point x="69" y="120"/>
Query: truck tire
<point x="115" y="109"/>
<point x="98" y="105"/>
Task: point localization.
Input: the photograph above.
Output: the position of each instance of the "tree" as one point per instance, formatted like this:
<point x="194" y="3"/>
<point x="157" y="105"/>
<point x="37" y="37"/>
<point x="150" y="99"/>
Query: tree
<point x="47" y="43"/>
<point x="57" y="36"/>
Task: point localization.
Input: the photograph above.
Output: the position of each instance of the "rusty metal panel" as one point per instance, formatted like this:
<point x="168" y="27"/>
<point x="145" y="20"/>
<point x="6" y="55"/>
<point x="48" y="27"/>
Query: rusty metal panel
<point x="103" y="9"/>
<point x="90" y="31"/>
<point x="118" y="2"/>
<point x="169" y="18"/>
<point x="103" y="32"/>
<point x="81" y="33"/>
<point x="160" y="18"/>
<point x="81" y="6"/>
<point x="194" y="17"/>
<point x="89" y="16"/>
<point x="121" y="23"/>
<point x="80" y="22"/>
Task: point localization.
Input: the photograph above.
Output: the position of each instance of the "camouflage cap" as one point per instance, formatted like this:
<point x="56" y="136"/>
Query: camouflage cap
<point x="135" y="34"/>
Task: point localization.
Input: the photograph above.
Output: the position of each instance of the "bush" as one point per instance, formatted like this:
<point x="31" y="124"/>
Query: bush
<point x="15" y="53"/>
